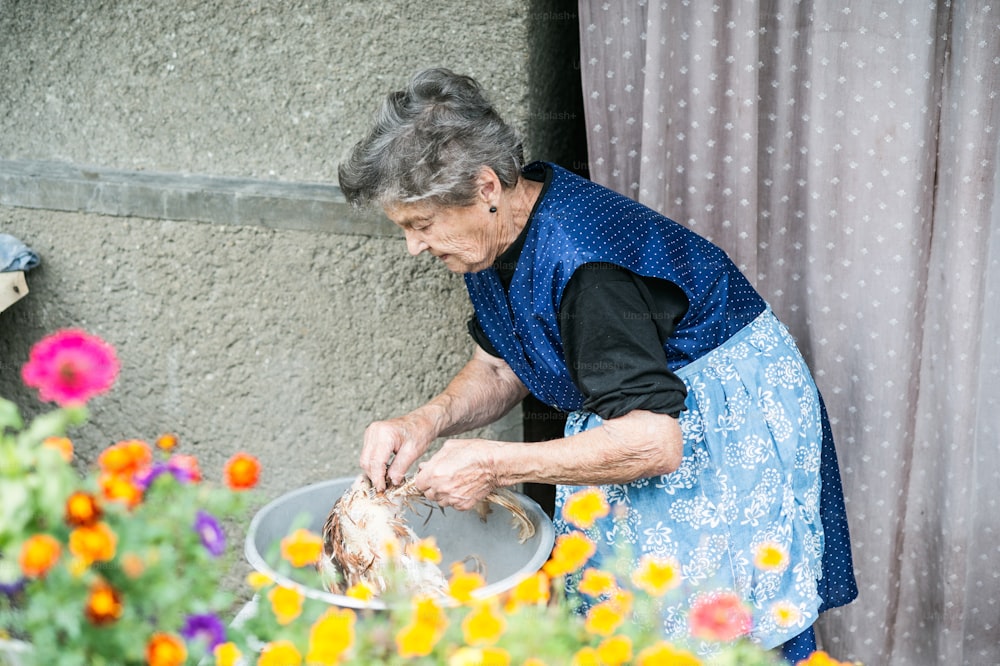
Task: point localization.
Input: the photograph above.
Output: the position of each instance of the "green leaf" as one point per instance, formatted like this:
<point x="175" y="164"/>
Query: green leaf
<point x="10" y="416"/>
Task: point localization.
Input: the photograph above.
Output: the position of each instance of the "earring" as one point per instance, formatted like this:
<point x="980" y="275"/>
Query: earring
<point x="493" y="209"/>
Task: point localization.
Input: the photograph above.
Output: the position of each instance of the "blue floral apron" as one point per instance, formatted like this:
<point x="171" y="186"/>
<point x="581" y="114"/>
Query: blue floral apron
<point x="750" y="477"/>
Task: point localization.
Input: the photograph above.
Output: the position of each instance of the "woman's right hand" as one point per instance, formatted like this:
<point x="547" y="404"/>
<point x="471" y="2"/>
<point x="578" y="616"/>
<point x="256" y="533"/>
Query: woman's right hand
<point x="392" y="446"/>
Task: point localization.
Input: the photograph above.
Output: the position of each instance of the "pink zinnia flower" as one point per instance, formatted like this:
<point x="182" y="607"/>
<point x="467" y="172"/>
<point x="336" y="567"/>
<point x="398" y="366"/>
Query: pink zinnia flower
<point x="719" y="617"/>
<point x="70" y="367"/>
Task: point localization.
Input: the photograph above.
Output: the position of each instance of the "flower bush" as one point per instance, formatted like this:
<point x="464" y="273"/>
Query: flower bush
<point x="122" y="563"/>
<point x="119" y="564"/>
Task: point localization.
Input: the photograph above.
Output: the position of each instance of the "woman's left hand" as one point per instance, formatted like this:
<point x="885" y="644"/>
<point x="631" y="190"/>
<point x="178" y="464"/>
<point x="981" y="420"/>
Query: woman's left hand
<point x="460" y="474"/>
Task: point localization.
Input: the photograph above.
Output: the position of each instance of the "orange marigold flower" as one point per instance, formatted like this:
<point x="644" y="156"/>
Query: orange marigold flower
<point x="596" y="582"/>
<point x="604" y="618"/>
<point x="242" y="471"/>
<point x="126" y="457"/>
<point x="719" y="617"/>
<point x="120" y="488"/>
<point x="657" y="576"/>
<point x="331" y="636"/>
<point x="534" y="590"/>
<point x="570" y="553"/>
<point x="286" y="602"/>
<point x="93" y="543"/>
<point x="586" y="656"/>
<point x="302" y="548"/>
<point x="615" y="650"/>
<point x="770" y="556"/>
<point x="534" y="661"/>
<point x="104" y="604"/>
<point x="165" y="650"/>
<point x="38" y="555"/>
<point x="584" y="507"/>
<point x="227" y="654"/>
<point x="280" y="653"/>
<point x="425" y="550"/>
<point x="663" y="652"/>
<point x="463" y="584"/>
<point x="61" y="444"/>
<point x="483" y="625"/>
<point x="166" y="442"/>
<point x="82" y="509"/>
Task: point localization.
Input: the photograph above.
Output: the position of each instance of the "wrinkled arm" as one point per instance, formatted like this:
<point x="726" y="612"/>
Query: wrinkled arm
<point x="483" y="391"/>
<point x="637" y="445"/>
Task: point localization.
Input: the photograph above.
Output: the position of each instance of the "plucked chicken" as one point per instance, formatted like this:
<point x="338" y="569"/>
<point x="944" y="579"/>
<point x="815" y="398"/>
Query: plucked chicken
<point x="366" y="539"/>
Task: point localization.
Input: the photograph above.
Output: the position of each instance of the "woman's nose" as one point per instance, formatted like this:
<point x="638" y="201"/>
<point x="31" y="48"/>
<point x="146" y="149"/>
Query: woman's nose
<point x="413" y="244"/>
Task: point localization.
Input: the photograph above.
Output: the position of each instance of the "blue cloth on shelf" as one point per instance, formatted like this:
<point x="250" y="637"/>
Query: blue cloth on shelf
<point x="15" y="255"/>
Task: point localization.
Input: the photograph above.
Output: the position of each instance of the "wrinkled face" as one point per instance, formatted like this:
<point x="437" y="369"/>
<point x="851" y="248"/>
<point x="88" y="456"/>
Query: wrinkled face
<point x="465" y="238"/>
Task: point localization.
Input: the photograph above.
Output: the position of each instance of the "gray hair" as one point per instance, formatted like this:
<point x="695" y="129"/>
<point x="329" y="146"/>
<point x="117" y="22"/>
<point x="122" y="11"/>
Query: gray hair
<point x="429" y="142"/>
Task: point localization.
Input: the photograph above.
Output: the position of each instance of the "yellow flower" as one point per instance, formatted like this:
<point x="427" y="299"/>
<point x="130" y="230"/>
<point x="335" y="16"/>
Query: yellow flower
<point x="584" y="507"/>
<point x="302" y="548"/>
<point x="532" y="591"/>
<point x="463" y="583"/>
<point x="425" y="550"/>
<point x="361" y="591"/>
<point x="821" y="658"/>
<point x="257" y="580"/>
<point x="663" y="652"/>
<point x="425" y="629"/>
<point x="427" y="612"/>
<point x="604" y="618"/>
<point x="483" y="625"/>
<point x="286" y="603"/>
<point x="786" y="613"/>
<point x="596" y="582"/>
<point x="770" y="556"/>
<point x="470" y="656"/>
<point x="534" y="661"/>
<point x="615" y="651"/>
<point x="569" y="554"/>
<point x="227" y="654"/>
<point x="280" y="653"/>
<point x="657" y="576"/>
<point x="93" y="543"/>
<point x="586" y="656"/>
<point x="414" y="640"/>
<point x="331" y="636"/>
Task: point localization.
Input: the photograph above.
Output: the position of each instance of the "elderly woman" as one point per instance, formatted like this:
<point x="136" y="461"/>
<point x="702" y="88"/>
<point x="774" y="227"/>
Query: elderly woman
<point x="689" y="405"/>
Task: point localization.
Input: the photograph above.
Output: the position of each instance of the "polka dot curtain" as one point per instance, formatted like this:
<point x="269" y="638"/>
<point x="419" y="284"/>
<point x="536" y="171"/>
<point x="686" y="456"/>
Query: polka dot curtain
<point x="845" y="154"/>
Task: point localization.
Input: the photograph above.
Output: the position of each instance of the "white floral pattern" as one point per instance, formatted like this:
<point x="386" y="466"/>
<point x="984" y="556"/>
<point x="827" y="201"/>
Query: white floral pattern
<point x="749" y="475"/>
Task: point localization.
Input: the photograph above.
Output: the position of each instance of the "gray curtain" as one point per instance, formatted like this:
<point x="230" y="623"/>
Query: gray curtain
<point x="845" y="155"/>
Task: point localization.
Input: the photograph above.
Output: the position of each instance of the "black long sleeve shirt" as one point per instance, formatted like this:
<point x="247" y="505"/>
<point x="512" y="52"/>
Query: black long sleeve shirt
<point x="613" y="324"/>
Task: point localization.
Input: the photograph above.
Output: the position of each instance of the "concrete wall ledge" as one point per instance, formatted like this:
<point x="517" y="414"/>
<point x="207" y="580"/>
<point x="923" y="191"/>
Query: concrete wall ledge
<point x="274" y="204"/>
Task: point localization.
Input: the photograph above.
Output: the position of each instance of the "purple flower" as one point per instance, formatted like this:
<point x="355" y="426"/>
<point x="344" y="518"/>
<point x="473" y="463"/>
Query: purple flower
<point x="13" y="588"/>
<point x="212" y="536"/>
<point x="144" y="479"/>
<point x="206" y="627"/>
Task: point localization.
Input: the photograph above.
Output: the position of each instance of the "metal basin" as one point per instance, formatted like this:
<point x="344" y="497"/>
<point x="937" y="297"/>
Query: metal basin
<point x="459" y="534"/>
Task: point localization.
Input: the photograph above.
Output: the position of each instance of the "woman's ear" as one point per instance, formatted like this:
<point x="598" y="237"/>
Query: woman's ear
<point x="489" y="186"/>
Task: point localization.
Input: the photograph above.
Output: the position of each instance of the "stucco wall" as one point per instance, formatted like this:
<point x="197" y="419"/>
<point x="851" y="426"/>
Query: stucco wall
<point x="282" y="342"/>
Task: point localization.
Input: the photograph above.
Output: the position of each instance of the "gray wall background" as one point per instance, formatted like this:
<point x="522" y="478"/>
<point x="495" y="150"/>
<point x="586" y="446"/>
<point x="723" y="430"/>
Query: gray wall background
<point x="284" y="340"/>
